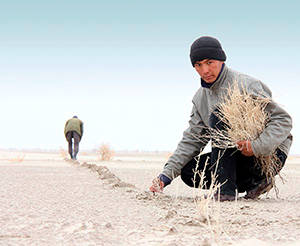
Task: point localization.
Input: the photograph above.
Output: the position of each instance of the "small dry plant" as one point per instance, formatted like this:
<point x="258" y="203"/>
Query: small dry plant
<point x="105" y="152"/>
<point x="63" y="153"/>
<point x="244" y="117"/>
<point x="206" y="204"/>
<point x="207" y="200"/>
<point x="18" y="158"/>
<point x="168" y="155"/>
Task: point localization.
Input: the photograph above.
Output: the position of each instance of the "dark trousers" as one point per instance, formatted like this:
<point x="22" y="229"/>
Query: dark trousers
<point x="73" y="138"/>
<point x="233" y="170"/>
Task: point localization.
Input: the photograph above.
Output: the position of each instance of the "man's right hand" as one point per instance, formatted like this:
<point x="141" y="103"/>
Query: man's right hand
<point x="157" y="185"/>
<point x="245" y="147"/>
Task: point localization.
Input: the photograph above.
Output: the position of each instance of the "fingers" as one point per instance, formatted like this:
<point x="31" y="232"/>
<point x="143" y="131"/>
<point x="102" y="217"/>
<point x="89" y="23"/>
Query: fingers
<point x="241" y="145"/>
<point x="245" y="147"/>
<point x="157" y="185"/>
<point x="247" y="153"/>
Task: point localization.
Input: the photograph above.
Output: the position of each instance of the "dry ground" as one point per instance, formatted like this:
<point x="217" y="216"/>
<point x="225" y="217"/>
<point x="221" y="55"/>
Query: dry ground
<point x="45" y="200"/>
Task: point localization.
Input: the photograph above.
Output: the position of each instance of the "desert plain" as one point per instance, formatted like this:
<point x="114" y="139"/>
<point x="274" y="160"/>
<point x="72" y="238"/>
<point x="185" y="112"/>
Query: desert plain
<point x="47" y="199"/>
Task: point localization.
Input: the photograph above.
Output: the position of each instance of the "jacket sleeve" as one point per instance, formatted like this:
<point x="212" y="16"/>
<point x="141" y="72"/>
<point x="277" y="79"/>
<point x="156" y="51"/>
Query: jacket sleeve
<point x="81" y="128"/>
<point x="193" y="141"/>
<point x="65" y="128"/>
<point x="278" y="127"/>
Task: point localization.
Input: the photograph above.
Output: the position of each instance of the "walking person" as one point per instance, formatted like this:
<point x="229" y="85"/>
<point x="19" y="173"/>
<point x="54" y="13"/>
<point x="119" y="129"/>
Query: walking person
<point x="236" y="169"/>
<point x="73" y="133"/>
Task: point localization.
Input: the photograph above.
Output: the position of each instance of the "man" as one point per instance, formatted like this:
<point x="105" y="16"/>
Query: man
<point x="73" y="131"/>
<point x="235" y="167"/>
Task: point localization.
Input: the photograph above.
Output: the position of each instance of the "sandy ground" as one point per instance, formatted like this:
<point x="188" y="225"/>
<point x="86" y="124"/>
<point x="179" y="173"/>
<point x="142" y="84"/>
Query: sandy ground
<point x="46" y="200"/>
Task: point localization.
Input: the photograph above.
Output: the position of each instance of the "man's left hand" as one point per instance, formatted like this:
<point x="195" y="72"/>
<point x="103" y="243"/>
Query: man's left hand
<point x="245" y="147"/>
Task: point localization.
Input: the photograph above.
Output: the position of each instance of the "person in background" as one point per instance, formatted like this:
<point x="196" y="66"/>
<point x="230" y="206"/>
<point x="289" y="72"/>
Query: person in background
<point x="236" y="169"/>
<point x="73" y="133"/>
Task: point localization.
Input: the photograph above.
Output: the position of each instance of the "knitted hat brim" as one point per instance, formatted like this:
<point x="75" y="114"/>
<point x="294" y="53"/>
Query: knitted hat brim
<point x="200" y="54"/>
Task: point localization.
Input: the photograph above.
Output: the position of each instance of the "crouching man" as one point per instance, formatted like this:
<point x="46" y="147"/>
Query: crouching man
<point x="235" y="168"/>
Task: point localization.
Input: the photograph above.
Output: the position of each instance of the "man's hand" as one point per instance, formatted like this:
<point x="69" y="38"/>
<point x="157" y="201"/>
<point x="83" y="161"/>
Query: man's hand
<point x="157" y="185"/>
<point x="245" y="147"/>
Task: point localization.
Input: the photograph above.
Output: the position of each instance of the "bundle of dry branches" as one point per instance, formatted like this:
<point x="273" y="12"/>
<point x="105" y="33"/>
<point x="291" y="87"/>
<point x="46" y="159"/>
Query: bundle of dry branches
<point x="244" y="118"/>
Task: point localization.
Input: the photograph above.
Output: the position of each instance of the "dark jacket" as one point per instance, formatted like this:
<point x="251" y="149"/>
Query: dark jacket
<point x="74" y="124"/>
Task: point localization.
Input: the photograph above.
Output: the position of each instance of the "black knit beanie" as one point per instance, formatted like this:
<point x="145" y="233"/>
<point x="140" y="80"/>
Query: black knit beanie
<point x="206" y="48"/>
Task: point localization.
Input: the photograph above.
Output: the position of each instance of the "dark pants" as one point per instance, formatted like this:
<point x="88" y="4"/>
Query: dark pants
<point x="72" y="135"/>
<point x="234" y="171"/>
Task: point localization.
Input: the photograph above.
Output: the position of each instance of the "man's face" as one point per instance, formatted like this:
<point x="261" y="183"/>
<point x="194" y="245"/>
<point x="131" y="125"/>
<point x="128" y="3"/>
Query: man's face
<point x="208" y="69"/>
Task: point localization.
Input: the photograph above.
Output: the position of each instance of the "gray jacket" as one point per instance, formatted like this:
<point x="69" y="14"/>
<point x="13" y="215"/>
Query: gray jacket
<point x="276" y="134"/>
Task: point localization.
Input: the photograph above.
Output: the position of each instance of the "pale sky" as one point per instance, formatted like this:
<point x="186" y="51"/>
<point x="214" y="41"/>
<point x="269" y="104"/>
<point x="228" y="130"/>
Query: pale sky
<point x="123" y="66"/>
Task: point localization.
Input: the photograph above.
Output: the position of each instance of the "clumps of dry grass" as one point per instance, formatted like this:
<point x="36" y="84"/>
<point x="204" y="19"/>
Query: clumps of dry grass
<point x="168" y="155"/>
<point x="17" y="158"/>
<point x="63" y="153"/>
<point x="244" y="118"/>
<point x="207" y="205"/>
<point x="203" y="199"/>
<point x="105" y="152"/>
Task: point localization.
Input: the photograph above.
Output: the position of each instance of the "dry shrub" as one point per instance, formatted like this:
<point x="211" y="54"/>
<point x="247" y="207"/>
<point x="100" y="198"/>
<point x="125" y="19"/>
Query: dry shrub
<point x="203" y="199"/>
<point x="208" y="207"/>
<point x="105" y="152"/>
<point x="84" y="153"/>
<point x="18" y="158"/>
<point x="244" y="117"/>
<point x="63" y="153"/>
<point x="168" y="155"/>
